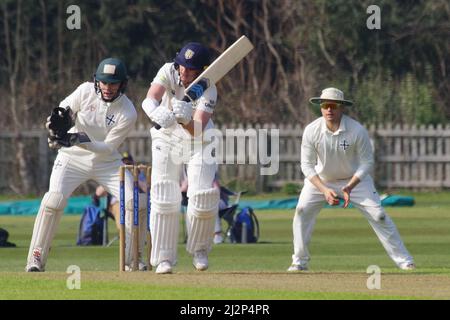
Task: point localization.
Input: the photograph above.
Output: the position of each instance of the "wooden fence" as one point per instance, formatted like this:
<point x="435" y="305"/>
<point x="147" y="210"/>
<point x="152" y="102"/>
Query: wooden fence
<point x="405" y="156"/>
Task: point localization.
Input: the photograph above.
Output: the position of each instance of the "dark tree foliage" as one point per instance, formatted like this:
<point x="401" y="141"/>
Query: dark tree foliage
<point x="399" y="73"/>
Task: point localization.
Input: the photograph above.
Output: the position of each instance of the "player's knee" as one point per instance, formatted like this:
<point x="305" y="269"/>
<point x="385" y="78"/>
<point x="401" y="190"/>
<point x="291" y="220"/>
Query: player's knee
<point x="166" y="196"/>
<point x="54" y="202"/>
<point x="376" y="213"/>
<point x="299" y="210"/>
<point x="205" y="202"/>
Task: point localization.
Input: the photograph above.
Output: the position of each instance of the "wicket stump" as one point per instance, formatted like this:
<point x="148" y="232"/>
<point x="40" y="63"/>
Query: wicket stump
<point x="135" y="227"/>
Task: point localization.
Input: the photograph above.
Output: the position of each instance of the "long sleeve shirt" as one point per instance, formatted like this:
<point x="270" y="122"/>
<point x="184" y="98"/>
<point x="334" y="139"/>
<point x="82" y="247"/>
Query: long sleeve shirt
<point x="107" y="124"/>
<point x="336" y="155"/>
<point x="169" y="78"/>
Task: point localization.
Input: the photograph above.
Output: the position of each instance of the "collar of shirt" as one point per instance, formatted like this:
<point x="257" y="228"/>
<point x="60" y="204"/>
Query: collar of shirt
<point x="342" y="126"/>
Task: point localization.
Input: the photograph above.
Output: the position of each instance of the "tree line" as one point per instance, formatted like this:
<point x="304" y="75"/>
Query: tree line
<point x="398" y="73"/>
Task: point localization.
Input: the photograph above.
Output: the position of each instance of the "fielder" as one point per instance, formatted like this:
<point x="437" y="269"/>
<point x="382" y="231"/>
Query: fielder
<point x="87" y="128"/>
<point x="336" y="159"/>
<point x="182" y="126"/>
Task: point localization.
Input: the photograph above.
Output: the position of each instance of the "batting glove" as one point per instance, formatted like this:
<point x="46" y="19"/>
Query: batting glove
<point x="182" y="110"/>
<point x="198" y="89"/>
<point x="163" y="117"/>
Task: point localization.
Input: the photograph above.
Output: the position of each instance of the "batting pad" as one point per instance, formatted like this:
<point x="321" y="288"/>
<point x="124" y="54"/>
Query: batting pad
<point x="47" y="220"/>
<point x="201" y="213"/>
<point x="129" y="228"/>
<point x="164" y="221"/>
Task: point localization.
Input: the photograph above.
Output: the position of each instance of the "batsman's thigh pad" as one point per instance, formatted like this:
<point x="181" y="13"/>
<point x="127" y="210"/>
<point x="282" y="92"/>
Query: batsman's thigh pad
<point x="164" y="221"/>
<point x="201" y="213"/>
<point x="47" y="220"/>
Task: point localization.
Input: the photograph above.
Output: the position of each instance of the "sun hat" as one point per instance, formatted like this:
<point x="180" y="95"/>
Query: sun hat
<point x="331" y="94"/>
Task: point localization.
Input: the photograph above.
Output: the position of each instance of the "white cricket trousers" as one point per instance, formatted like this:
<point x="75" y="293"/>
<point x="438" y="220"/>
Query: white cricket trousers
<point x="364" y="197"/>
<point x="169" y="154"/>
<point x="70" y="172"/>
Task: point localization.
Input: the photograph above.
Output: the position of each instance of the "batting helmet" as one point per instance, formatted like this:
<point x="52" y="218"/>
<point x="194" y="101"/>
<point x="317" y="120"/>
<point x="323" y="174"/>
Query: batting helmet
<point x="111" y="70"/>
<point x="193" y="56"/>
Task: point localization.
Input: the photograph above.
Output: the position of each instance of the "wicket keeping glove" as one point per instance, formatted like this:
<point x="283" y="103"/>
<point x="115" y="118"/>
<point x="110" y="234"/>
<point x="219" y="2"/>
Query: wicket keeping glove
<point x="68" y="140"/>
<point x="59" y="122"/>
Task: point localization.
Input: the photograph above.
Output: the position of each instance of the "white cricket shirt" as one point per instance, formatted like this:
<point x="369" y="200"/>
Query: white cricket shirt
<point x="169" y="78"/>
<point x="106" y="123"/>
<point x="336" y="155"/>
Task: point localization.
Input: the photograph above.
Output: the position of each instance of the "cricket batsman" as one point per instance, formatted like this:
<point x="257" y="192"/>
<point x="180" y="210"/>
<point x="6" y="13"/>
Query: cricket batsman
<point x="182" y="125"/>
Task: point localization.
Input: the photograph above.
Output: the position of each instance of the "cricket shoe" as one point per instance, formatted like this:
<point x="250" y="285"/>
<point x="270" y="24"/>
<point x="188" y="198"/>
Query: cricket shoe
<point x="200" y="260"/>
<point x="408" y="266"/>
<point x="297" y="268"/>
<point x="35" y="264"/>
<point x="164" y="267"/>
<point x="34" y="268"/>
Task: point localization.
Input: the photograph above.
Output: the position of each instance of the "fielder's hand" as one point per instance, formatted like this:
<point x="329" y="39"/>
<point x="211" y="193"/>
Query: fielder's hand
<point x="346" y="190"/>
<point x="182" y="110"/>
<point x="331" y="197"/>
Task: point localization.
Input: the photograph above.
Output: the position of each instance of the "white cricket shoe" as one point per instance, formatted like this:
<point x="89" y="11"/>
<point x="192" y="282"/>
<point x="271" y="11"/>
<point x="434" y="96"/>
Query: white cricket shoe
<point x="296" y="268"/>
<point x="200" y="261"/>
<point x="218" y="238"/>
<point x="34" y="267"/>
<point x="164" y="267"/>
<point x="35" y="264"/>
<point x="408" y="266"/>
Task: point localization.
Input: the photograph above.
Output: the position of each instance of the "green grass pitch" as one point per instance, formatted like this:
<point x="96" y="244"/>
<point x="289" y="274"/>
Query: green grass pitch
<point x="342" y="247"/>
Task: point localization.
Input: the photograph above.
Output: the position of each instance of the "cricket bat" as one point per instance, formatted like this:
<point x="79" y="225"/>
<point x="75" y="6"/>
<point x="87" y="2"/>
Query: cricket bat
<point x="223" y="64"/>
<point x="219" y="68"/>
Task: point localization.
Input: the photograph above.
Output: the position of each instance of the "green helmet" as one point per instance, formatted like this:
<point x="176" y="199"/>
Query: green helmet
<point x="111" y="70"/>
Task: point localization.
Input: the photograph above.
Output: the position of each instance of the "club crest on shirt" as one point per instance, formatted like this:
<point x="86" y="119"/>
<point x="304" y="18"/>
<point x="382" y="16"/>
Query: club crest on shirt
<point x="110" y="120"/>
<point x="344" y="145"/>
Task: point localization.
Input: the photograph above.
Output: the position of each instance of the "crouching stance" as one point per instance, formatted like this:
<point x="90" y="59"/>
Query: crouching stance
<point x="87" y="128"/>
<point x="336" y="159"/>
<point x="180" y="141"/>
